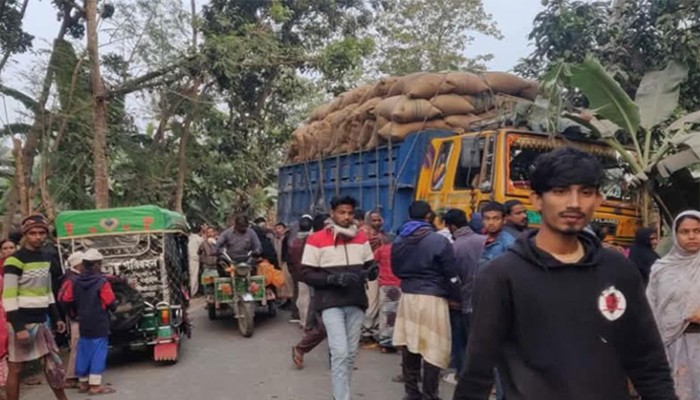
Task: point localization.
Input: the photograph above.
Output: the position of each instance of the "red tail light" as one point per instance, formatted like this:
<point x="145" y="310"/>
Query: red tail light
<point x="165" y="316"/>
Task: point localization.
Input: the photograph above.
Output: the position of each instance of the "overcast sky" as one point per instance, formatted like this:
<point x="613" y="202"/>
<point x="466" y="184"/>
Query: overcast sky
<point x="514" y="18"/>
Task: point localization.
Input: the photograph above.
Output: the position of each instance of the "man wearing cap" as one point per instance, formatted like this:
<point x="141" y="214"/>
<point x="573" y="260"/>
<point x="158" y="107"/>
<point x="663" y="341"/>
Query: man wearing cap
<point x="28" y="299"/>
<point x="90" y="297"/>
<point x="425" y="263"/>
<point x="75" y="263"/>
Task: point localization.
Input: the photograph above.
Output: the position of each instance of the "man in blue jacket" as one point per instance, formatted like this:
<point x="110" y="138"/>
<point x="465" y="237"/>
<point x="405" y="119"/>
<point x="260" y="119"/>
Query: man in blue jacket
<point x="498" y="240"/>
<point x="425" y="263"/>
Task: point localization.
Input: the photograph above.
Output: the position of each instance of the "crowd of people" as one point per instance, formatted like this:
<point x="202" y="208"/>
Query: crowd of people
<point x="491" y="305"/>
<point x="485" y="303"/>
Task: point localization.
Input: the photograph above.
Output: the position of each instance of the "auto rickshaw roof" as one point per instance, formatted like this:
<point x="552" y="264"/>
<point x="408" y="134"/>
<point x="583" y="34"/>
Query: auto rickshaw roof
<point x="71" y="224"/>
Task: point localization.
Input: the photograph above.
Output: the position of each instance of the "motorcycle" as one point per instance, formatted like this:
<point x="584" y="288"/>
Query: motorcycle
<point x="237" y="289"/>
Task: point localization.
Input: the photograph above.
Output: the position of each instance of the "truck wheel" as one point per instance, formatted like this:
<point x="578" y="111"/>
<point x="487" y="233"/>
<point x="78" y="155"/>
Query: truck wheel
<point x="211" y="311"/>
<point x="245" y="318"/>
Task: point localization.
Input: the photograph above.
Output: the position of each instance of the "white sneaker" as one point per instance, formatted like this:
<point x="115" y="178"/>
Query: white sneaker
<point x="450" y="378"/>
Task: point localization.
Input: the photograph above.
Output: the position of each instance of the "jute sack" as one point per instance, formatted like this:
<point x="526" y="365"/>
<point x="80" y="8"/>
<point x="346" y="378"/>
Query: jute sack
<point x="367" y="109"/>
<point x="411" y="110"/>
<point x="353" y="96"/>
<point x="366" y="133"/>
<point x="462" y="121"/>
<point x="427" y="86"/>
<point x="398" y="132"/>
<point x="385" y="107"/>
<point x="355" y="127"/>
<point x="399" y="87"/>
<point x="320" y="112"/>
<point x="381" y="88"/>
<point x="482" y="102"/>
<point x="503" y="82"/>
<point x="531" y="91"/>
<point x="453" y="104"/>
<point x="466" y="83"/>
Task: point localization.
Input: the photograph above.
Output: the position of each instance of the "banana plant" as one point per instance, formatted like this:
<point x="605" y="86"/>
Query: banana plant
<point x="617" y="119"/>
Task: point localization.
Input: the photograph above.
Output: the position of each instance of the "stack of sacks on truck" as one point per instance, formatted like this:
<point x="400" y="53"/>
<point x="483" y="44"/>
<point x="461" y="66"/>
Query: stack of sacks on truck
<point x="389" y="110"/>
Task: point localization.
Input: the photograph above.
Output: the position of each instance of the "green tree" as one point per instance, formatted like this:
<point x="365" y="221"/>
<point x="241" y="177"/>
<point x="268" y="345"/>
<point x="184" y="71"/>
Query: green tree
<point x="629" y="37"/>
<point x="420" y="35"/>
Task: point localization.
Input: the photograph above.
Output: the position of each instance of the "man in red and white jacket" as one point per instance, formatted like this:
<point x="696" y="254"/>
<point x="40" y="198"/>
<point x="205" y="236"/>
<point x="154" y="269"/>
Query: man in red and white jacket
<point x="336" y="263"/>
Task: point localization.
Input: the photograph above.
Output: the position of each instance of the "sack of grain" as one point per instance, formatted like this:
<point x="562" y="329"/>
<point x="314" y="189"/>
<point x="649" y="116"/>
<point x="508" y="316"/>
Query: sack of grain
<point x="462" y="121"/>
<point x="503" y="82"/>
<point x="381" y="88"/>
<point x="366" y="133"/>
<point x="354" y="96"/>
<point x="531" y="91"/>
<point x="482" y="102"/>
<point x="375" y="140"/>
<point x="466" y="83"/>
<point x="366" y="110"/>
<point x="399" y="87"/>
<point x="411" y="110"/>
<point x="427" y="86"/>
<point x="453" y="104"/>
<point x="320" y="112"/>
<point x="398" y="132"/>
<point x="385" y="107"/>
<point x="354" y="135"/>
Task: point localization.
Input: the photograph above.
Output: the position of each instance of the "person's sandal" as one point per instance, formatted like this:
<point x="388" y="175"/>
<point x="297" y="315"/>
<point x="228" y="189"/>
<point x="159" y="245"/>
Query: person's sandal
<point x="99" y="390"/>
<point x="297" y="358"/>
<point x="71" y="384"/>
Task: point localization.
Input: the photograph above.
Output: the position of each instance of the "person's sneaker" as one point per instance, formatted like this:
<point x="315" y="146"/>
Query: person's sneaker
<point x="294" y="321"/>
<point x="450" y="378"/>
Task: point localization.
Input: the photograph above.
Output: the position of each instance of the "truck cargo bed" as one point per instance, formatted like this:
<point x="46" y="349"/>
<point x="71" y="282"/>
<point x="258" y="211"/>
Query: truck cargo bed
<point x="383" y="178"/>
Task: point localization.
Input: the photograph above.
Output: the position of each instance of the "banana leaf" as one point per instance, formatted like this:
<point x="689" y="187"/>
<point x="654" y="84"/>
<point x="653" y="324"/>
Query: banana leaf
<point x="658" y="93"/>
<point x="606" y="97"/>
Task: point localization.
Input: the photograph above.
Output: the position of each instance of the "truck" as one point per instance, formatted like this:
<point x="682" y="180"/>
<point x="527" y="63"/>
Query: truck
<point x="450" y="169"/>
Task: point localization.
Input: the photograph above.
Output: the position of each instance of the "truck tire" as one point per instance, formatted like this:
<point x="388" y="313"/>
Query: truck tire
<point x="246" y="316"/>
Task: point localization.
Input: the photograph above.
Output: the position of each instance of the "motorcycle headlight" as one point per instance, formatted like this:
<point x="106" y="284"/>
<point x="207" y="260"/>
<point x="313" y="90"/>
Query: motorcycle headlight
<point x="243" y="269"/>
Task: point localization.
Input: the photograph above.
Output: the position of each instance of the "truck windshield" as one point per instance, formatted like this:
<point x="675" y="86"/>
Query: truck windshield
<point x="524" y="150"/>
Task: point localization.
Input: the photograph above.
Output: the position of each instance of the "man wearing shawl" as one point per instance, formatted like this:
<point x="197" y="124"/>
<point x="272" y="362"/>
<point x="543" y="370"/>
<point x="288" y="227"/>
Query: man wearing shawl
<point x="674" y="296"/>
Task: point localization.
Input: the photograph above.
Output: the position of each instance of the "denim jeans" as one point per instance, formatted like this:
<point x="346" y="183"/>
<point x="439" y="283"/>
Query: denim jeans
<point x="344" y="326"/>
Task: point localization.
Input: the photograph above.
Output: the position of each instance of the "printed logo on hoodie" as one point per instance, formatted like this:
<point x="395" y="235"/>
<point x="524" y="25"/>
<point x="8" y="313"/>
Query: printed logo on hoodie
<point x="612" y="303"/>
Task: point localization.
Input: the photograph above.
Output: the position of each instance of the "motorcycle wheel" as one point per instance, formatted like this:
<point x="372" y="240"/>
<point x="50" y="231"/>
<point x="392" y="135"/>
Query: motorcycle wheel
<point x="211" y="310"/>
<point x="245" y="318"/>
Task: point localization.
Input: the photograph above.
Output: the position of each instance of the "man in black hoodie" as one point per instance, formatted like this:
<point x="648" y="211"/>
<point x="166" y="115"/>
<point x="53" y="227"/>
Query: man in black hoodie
<point x="561" y="317"/>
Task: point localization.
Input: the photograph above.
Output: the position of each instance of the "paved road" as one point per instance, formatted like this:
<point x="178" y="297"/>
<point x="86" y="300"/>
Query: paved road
<point x="219" y="364"/>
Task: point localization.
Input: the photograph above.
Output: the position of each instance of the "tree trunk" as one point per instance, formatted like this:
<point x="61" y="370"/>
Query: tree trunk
<point x="99" y="110"/>
<point x="182" y="163"/>
<point x="20" y="180"/>
<point x="10" y="211"/>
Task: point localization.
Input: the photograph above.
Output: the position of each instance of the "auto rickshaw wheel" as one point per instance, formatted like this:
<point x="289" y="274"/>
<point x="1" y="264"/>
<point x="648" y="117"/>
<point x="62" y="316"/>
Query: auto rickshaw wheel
<point x="211" y="311"/>
<point x="246" y="318"/>
<point x="271" y="308"/>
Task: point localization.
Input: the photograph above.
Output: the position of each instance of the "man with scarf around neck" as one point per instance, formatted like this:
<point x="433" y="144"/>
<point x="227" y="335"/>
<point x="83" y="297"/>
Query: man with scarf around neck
<point x="560" y="316"/>
<point x="336" y="263"/>
<point x="425" y="263"/>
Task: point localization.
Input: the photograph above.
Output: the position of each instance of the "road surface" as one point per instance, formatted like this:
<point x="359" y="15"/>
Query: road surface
<point x="219" y="364"/>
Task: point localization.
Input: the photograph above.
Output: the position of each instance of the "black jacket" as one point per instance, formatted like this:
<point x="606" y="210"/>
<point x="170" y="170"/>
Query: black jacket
<point x="642" y="254"/>
<point x="425" y="262"/>
<point x="563" y="331"/>
<point x="93" y="317"/>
